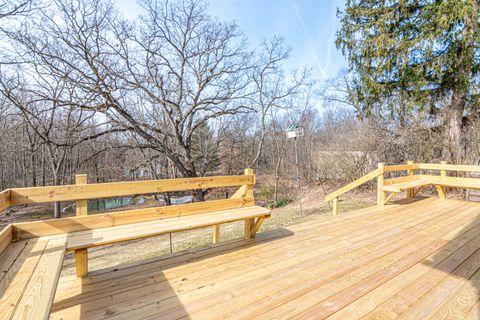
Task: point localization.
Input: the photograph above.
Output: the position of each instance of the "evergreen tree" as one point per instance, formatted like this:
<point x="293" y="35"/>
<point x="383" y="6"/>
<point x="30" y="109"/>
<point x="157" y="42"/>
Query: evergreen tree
<point x="412" y="55"/>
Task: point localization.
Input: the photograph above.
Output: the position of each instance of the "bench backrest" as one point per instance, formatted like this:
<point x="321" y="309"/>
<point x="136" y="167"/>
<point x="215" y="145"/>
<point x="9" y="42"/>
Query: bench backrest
<point x="440" y="171"/>
<point x="80" y="193"/>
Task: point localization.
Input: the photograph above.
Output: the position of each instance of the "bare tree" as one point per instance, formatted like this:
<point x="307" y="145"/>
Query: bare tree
<point x="12" y="8"/>
<point x="273" y="86"/>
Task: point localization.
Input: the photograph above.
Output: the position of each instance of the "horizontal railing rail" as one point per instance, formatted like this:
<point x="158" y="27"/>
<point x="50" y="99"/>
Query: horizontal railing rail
<point x="80" y="192"/>
<point x="410" y="167"/>
<point x="117" y="189"/>
<point x="448" y="167"/>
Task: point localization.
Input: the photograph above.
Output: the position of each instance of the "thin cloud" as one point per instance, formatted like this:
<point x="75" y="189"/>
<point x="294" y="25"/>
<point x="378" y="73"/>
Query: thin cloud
<point x="310" y="43"/>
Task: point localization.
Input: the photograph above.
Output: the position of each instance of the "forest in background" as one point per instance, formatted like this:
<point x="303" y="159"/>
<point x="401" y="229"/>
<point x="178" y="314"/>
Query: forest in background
<point x="176" y="93"/>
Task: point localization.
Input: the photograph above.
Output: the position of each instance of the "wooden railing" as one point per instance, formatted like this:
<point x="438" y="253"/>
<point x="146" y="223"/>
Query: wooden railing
<point x="410" y="169"/>
<point x="81" y="192"/>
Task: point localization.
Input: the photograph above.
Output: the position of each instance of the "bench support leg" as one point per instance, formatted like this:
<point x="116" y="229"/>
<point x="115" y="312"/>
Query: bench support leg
<point x="256" y="227"/>
<point x="249" y="223"/>
<point x="441" y="192"/>
<point x="418" y="191"/>
<point x="81" y="260"/>
<point x="389" y="197"/>
<point x="216" y="233"/>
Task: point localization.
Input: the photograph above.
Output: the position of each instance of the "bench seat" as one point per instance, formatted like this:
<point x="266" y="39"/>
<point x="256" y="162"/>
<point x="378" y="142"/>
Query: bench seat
<point x="103" y="236"/>
<point x="30" y="270"/>
<point x="402" y="186"/>
<point x="455" y="182"/>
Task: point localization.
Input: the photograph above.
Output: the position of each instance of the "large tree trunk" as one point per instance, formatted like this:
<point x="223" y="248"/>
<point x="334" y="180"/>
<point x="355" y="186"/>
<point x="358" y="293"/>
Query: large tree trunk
<point x="455" y="127"/>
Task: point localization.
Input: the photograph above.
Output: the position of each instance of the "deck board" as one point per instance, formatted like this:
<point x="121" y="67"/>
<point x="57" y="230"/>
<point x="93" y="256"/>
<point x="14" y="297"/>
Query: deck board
<point x="411" y="261"/>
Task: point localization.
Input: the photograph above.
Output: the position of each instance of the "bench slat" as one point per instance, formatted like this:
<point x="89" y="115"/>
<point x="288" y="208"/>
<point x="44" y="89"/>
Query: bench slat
<point x="40" y="290"/>
<point x="18" y="275"/>
<point x="98" y="237"/>
<point x="399" y="187"/>
<point x="25" y="230"/>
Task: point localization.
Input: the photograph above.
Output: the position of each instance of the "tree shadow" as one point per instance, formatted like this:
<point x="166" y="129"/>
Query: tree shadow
<point x="455" y="268"/>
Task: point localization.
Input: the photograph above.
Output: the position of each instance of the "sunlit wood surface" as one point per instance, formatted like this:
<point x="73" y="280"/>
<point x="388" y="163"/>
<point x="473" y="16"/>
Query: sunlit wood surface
<point x="415" y="260"/>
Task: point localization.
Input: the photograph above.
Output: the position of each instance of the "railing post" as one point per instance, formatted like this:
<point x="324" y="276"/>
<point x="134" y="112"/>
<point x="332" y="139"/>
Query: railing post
<point x="410" y="172"/>
<point x="81" y="208"/>
<point x="249" y="223"/>
<point x="443" y="174"/>
<point x="81" y="262"/>
<point x="81" y="205"/>
<point x="335" y="206"/>
<point x="380" y="179"/>
<point x="216" y="233"/>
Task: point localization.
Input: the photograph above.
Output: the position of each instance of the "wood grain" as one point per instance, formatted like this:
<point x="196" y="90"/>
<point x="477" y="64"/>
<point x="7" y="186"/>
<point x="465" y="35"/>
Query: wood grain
<point x="118" y="189"/>
<point x="27" y="230"/>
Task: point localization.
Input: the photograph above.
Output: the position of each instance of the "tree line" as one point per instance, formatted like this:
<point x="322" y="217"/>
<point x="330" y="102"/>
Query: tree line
<point x="178" y="93"/>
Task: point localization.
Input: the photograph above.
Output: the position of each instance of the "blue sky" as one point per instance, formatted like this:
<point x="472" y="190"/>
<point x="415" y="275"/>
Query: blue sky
<point x="308" y="26"/>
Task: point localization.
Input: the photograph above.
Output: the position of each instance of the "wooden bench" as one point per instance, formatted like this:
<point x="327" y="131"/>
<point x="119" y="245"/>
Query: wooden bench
<point x="29" y="275"/>
<point x="411" y="182"/>
<point x="417" y="183"/>
<point x="86" y="231"/>
<point x="31" y="253"/>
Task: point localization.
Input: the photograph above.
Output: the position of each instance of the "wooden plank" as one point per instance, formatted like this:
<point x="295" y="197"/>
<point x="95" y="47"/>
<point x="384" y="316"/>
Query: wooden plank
<point x="81" y="262"/>
<point x="51" y="227"/>
<point x="390" y="181"/>
<point x="375" y="173"/>
<point x="257" y="226"/>
<point x="443" y="261"/>
<point x="399" y="187"/>
<point x="5" y="202"/>
<point x="460" y="303"/>
<point x="457" y="182"/>
<point x="15" y="280"/>
<point x="335" y="206"/>
<point x="40" y="291"/>
<point x="216" y="233"/>
<point x="448" y="167"/>
<point x="389" y="197"/>
<point x="402" y="167"/>
<point x="411" y="174"/>
<point x="428" y="304"/>
<point x="9" y="256"/>
<point x="81" y="206"/>
<point x="117" y="189"/>
<point x="98" y="237"/>
<point x="380" y="180"/>
<point x="6" y="236"/>
<point x="441" y="192"/>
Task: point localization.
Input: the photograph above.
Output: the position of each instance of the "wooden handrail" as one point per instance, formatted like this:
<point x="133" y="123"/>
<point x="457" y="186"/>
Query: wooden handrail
<point x="448" y="167"/>
<point x="19" y="196"/>
<point x="402" y="167"/>
<point x="352" y="185"/>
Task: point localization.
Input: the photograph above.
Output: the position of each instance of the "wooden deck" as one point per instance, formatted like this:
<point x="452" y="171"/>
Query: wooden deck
<point x="416" y="260"/>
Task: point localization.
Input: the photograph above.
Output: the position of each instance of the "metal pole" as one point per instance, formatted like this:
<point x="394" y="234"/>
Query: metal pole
<point x="298" y="175"/>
